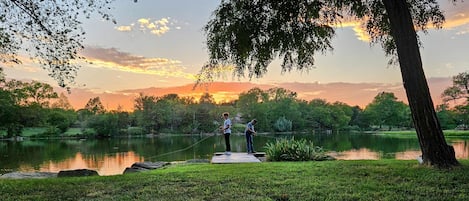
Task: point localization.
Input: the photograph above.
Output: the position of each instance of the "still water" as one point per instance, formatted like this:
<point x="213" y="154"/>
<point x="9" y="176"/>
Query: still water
<point x="112" y="156"/>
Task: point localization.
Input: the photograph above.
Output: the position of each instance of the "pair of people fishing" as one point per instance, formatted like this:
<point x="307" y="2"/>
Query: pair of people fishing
<point x="249" y="132"/>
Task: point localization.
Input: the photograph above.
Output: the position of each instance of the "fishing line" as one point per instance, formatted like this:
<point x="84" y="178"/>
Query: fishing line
<point x="179" y="150"/>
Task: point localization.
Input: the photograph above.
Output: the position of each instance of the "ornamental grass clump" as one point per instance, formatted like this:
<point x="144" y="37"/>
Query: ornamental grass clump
<point x="294" y="150"/>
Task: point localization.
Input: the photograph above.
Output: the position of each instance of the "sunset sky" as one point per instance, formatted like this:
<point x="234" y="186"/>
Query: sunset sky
<point x="160" y="44"/>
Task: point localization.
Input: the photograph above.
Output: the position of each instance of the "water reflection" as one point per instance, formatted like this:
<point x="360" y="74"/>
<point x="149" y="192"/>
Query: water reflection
<point x="105" y="165"/>
<point x="112" y="156"/>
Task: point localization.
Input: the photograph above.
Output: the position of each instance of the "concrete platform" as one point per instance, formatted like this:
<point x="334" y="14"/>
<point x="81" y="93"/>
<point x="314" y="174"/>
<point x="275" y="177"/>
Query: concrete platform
<point x="235" y="157"/>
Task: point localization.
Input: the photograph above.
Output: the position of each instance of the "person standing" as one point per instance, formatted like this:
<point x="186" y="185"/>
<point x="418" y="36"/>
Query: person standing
<point x="250" y="133"/>
<point x="227" y="132"/>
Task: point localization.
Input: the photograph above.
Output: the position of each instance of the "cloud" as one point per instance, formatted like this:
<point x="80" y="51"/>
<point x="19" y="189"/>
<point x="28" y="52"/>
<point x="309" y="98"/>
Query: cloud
<point x="115" y="59"/>
<point x="358" y="27"/>
<point x="124" y="28"/>
<point x="156" y="27"/>
<point x="457" y="18"/>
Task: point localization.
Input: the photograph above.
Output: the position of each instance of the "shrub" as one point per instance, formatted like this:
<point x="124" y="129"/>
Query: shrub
<point x="294" y="150"/>
<point x="283" y="125"/>
<point x="135" y="131"/>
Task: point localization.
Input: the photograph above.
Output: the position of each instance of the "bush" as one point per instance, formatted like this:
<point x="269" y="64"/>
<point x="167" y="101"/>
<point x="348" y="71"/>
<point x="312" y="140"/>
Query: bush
<point x="294" y="150"/>
<point x="283" y="125"/>
<point x="135" y="131"/>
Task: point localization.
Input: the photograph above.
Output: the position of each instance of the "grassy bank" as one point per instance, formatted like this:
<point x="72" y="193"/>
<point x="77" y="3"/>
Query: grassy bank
<point x="447" y="133"/>
<point x="332" y="180"/>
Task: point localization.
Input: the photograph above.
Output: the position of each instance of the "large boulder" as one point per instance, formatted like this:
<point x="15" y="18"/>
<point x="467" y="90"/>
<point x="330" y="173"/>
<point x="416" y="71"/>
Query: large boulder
<point x="28" y="175"/>
<point x="149" y="165"/>
<point x="77" y="173"/>
<point x="133" y="170"/>
<point x="144" y="166"/>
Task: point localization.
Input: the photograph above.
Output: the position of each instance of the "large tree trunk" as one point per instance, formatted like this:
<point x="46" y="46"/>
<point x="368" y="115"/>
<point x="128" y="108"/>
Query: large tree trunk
<point x="435" y="151"/>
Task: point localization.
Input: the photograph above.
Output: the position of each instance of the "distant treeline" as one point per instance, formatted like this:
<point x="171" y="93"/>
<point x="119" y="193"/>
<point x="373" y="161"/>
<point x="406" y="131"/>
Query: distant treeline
<point x="35" y="104"/>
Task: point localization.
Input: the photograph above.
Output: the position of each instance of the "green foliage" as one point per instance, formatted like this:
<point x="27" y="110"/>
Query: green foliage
<point x="386" y="110"/>
<point x="460" y="88"/>
<point x="49" y="31"/>
<point x="294" y="150"/>
<point x="283" y="125"/>
<point x="135" y="131"/>
<point x="58" y="120"/>
<point x="105" y="125"/>
<point x="33" y="131"/>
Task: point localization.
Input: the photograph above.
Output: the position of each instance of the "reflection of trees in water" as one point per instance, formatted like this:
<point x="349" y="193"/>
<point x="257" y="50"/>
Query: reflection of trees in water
<point x="113" y="155"/>
<point x="461" y="147"/>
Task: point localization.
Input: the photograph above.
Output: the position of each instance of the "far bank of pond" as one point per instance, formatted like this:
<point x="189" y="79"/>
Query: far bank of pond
<point x="111" y="156"/>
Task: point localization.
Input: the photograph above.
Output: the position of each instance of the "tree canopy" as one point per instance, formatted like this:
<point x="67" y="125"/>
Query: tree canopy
<point x="249" y="35"/>
<point x="50" y="31"/>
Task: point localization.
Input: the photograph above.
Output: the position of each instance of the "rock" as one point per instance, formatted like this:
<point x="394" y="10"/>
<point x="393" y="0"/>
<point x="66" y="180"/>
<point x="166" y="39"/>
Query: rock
<point x="149" y="165"/>
<point x="28" y="175"/>
<point x="144" y="166"/>
<point x="134" y="170"/>
<point x="77" y="173"/>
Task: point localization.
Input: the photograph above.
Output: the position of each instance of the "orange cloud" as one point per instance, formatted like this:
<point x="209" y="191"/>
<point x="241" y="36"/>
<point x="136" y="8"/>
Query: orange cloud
<point x="115" y="59"/>
<point x="358" y="27"/>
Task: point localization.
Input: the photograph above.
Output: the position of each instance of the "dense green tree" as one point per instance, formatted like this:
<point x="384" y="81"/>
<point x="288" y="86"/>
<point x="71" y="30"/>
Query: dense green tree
<point x="9" y="114"/>
<point x="145" y="113"/>
<point x="326" y="116"/>
<point x="251" y="34"/>
<point x="462" y="115"/>
<point x="385" y="109"/>
<point x="58" y="119"/>
<point x="204" y="114"/>
<point x="358" y="120"/>
<point x="446" y="116"/>
<point x="105" y="124"/>
<point x="29" y="93"/>
<point x="50" y="31"/>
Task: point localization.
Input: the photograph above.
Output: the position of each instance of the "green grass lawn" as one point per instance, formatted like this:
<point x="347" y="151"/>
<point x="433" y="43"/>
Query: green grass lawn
<point x="331" y="180"/>
<point x="33" y="131"/>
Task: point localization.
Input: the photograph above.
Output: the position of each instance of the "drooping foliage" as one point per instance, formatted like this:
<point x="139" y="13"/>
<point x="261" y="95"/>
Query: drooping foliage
<point x="50" y="31"/>
<point x="250" y="34"/>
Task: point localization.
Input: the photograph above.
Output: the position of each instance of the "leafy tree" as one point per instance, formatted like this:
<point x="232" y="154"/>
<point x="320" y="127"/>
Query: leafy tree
<point x="446" y="116"/>
<point x="386" y="110"/>
<point x="460" y="88"/>
<point x="62" y="103"/>
<point x="325" y="116"/>
<point x="253" y="104"/>
<point x="50" y="31"/>
<point x="144" y="110"/>
<point x="59" y="120"/>
<point x="358" y="119"/>
<point x="28" y="93"/>
<point x="9" y="114"/>
<point x="105" y="125"/>
<point x="40" y="93"/>
<point x="462" y="115"/>
<point x="204" y="115"/>
<point x="250" y="34"/>
<point x="95" y="106"/>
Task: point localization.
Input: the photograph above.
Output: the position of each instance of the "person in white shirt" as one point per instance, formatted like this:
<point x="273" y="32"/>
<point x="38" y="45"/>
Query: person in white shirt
<point x="227" y="132"/>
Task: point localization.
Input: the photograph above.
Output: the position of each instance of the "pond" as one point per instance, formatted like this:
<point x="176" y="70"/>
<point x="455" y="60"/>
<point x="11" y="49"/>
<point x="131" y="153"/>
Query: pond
<point x="112" y="156"/>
